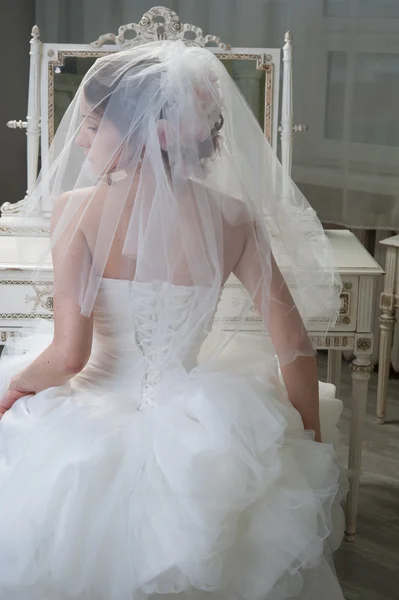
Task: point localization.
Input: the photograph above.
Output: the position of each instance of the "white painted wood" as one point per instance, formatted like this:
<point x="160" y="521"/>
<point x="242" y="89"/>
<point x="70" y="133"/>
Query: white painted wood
<point x="334" y="368"/>
<point x="390" y="268"/>
<point x="287" y="110"/>
<point x="395" y="345"/>
<point x="361" y="373"/>
<point x="387" y="324"/>
<point x="18" y="255"/>
<point x="366" y="303"/>
<point x="351" y="258"/>
<point x="33" y="119"/>
<point x="379" y="255"/>
<point x="158" y="23"/>
<point x="17" y="124"/>
<point x="391" y="241"/>
<point x="25" y="294"/>
<point x="347" y="322"/>
<point x="395" y="340"/>
<point x="389" y="304"/>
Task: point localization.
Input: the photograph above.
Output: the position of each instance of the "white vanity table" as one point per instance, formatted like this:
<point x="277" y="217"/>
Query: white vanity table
<point x="257" y="72"/>
<point x="23" y="296"/>
<point x="353" y="332"/>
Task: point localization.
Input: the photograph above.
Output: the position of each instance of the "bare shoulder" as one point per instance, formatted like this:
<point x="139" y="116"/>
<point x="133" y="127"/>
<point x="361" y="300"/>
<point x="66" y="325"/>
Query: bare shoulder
<point x="77" y="205"/>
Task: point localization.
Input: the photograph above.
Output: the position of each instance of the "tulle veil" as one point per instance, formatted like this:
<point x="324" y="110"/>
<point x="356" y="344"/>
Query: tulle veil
<point x="160" y="173"/>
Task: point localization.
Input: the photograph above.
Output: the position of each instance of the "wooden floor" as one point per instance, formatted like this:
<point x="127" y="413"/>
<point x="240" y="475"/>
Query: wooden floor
<point x="369" y="568"/>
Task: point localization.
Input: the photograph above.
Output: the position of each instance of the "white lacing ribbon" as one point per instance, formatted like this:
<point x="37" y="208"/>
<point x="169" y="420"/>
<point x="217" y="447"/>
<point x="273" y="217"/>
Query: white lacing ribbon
<point x="155" y="357"/>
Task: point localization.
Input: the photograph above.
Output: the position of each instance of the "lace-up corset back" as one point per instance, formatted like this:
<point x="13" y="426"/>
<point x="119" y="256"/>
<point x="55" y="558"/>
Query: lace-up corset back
<point x="151" y="325"/>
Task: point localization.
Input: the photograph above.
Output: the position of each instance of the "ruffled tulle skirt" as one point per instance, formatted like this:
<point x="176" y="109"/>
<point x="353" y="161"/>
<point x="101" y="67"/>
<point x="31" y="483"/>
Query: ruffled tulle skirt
<point x="215" y="493"/>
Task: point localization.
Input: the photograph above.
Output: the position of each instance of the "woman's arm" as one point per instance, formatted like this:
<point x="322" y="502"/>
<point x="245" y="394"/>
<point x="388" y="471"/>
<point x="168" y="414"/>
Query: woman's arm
<point x="287" y="331"/>
<point x="70" y="349"/>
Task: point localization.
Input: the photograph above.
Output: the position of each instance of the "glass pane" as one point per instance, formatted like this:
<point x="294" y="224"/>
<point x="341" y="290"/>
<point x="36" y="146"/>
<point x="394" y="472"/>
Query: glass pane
<point x="68" y="77"/>
<point x="385" y="9"/>
<point x="375" y="104"/>
<point x="372" y="99"/>
<point x="336" y="82"/>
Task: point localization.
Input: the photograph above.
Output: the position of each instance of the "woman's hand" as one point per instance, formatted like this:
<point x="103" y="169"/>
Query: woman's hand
<point x="15" y="392"/>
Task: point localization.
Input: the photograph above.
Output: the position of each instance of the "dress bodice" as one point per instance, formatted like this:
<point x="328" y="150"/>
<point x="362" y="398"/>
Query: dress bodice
<point x="143" y="331"/>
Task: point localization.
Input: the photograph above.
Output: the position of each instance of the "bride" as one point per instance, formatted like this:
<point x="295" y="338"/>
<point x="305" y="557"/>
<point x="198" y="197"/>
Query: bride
<point x="144" y="451"/>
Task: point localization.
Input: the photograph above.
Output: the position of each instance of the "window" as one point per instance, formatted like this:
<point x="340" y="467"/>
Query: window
<point x="372" y="95"/>
<point x="380" y="9"/>
<point x="350" y="94"/>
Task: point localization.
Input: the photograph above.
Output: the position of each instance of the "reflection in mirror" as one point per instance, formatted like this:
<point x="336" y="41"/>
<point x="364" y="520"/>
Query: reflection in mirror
<point x="251" y="83"/>
<point x="67" y="78"/>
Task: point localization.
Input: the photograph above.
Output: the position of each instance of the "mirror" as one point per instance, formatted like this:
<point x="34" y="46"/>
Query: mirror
<point x="67" y="79"/>
<point x="253" y="77"/>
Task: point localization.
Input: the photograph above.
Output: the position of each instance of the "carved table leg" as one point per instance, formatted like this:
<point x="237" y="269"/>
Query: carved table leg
<point x="361" y="368"/>
<point x="387" y="324"/>
<point x="334" y="368"/>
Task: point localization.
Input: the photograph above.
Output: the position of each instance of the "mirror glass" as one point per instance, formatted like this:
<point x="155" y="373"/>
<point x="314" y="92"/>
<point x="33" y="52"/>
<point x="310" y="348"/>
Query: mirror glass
<point x="67" y="78"/>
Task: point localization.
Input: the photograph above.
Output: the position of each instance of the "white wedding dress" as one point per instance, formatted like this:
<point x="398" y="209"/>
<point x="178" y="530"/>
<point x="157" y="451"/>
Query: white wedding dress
<point x="140" y="479"/>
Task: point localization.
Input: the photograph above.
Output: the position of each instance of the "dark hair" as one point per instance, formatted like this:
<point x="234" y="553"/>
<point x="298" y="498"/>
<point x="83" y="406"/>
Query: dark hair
<point x="98" y="94"/>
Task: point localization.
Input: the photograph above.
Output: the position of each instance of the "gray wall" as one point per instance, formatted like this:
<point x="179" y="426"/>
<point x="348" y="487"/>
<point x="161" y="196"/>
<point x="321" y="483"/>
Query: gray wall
<point x="236" y="22"/>
<point x="17" y="18"/>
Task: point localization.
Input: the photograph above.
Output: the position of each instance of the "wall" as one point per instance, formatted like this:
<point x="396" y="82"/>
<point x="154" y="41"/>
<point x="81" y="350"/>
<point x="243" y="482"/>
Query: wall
<point x="17" y="18"/>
